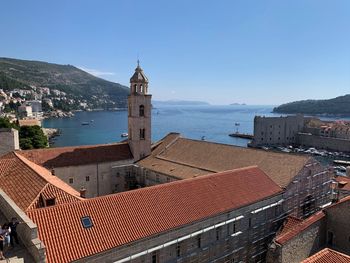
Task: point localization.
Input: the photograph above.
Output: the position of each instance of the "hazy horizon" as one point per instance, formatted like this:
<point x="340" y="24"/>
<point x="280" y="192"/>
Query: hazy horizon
<point x="253" y="52"/>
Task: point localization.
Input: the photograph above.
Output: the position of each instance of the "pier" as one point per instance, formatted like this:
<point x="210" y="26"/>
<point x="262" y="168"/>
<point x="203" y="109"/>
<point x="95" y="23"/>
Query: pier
<point x="242" y="135"/>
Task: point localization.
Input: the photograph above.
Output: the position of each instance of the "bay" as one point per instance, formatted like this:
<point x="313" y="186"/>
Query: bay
<point x="214" y="123"/>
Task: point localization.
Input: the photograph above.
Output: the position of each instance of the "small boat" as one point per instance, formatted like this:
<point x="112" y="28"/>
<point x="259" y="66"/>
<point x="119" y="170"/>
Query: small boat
<point x="124" y="134"/>
<point x="203" y="138"/>
<point x="85" y="123"/>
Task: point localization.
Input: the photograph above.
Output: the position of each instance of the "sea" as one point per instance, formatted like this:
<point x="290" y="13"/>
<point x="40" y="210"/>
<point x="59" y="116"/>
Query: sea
<point x="208" y="122"/>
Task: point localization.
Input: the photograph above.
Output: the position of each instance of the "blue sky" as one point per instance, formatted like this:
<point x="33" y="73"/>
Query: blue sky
<point x="257" y="52"/>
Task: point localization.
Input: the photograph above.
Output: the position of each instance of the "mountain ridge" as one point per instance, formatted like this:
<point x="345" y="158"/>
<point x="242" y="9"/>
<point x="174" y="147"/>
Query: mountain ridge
<point x="76" y="83"/>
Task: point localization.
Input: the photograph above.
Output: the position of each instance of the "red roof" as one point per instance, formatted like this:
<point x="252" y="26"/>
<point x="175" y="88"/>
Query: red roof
<point x="27" y="184"/>
<point x="129" y="216"/>
<point x="78" y="155"/>
<point x="294" y="228"/>
<point x="328" y="256"/>
<point x="343" y="182"/>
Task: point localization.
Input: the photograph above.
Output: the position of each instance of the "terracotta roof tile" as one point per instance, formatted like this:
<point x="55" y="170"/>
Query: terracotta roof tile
<point x="294" y="228"/>
<point x="184" y="158"/>
<point x="344" y="182"/>
<point x="328" y="256"/>
<point x="125" y="217"/>
<point x="25" y="182"/>
<point x="289" y="225"/>
<point x="78" y="155"/>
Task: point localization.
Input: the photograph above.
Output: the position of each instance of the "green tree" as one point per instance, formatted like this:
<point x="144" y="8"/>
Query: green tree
<point x="5" y="123"/>
<point x="32" y="137"/>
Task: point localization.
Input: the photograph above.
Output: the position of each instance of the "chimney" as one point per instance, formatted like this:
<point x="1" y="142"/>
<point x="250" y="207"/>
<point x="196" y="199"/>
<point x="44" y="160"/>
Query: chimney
<point x="82" y="192"/>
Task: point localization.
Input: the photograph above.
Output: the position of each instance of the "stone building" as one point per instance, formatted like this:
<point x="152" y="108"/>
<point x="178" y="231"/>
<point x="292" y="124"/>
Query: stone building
<point x="300" y="239"/>
<point x="9" y="140"/>
<point x="277" y="130"/>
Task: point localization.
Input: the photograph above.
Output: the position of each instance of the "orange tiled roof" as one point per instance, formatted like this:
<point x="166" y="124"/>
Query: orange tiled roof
<point x="289" y="225"/>
<point x="294" y="228"/>
<point x="78" y="155"/>
<point x="129" y="216"/>
<point x="27" y="183"/>
<point x="328" y="256"/>
<point x="186" y="158"/>
<point x="344" y="182"/>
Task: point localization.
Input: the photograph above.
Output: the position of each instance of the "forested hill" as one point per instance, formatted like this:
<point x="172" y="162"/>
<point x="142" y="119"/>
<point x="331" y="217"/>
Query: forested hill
<point x="337" y="106"/>
<point x="78" y="85"/>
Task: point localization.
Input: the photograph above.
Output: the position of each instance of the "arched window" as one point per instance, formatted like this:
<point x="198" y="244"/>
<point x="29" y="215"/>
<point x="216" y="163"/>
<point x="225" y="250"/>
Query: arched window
<point x="142" y="110"/>
<point x="141" y="88"/>
<point x="135" y="88"/>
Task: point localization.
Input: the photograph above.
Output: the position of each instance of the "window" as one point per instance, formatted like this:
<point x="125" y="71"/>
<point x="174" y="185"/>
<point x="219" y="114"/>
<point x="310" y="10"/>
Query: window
<point x="250" y="222"/>
<point x="234" y="227"/>
<point x="168" y="179"/>
<point x="157" y="178"/>
<point x="155" y="257"/>
<point x="199" y="241"/>
<point x="135" y="88"/>
<point x="178" y="250"/>
<point x="141" y="88"/>
<point x="141" y="111"/>
<point x="218" y="230"/>
<point x="86" y="221"/>
<point x="142" y="134"/>
<point x="330" y="238"/>
<point x="50" y="202"/>
<point x="87" y="178"/>
<point x="70" y="180"/>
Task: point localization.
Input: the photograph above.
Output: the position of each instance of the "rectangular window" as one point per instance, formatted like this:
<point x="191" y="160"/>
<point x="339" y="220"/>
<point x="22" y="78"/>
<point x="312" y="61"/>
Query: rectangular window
<point x="178" y="250"/>
<point x="155" y="257"/>
<point x="199" y="241"/>
<point x="218" y="230"/>
<point x="87" y="178"/>
<point x="142" y="134"/>
<point x="70" y="180"/>
<point x="157" y="178"/>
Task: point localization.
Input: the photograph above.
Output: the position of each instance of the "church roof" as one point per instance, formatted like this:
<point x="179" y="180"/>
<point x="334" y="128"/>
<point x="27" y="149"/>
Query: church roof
<point x="120" y="219"/>
<point x="186" y="158"/>
<point x="78" y="155"/>
<point x="28" y="184"/>
<point x="139" y="76"/>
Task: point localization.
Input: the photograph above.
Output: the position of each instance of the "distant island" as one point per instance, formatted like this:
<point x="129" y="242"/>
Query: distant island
<point x="238" y="104"/>
<point x="337" y="106"/>
<point x="179" y="103"/>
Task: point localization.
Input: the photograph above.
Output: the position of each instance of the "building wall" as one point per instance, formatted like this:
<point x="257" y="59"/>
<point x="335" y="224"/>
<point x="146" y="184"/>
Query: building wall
<point x="27" y="231"/>
<point x="309" y="190"/>
<point x="305" y="244"/>
<point x="339" y="225"/>
<point x="9" y="141"/>
<point x="327" y="143"/>
<point x="276" y="130"/>
<point x="248" y="243"/>
<point x="98" y="179"/>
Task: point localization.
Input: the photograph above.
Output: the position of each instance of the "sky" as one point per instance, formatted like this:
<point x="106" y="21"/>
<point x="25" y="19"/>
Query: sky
<point x="226" y="51"/>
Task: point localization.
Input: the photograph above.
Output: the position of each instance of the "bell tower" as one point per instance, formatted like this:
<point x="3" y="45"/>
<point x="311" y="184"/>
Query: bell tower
<point x="139" y="115"/>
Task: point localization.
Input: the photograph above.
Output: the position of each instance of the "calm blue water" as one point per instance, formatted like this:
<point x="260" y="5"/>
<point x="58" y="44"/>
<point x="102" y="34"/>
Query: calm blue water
<point x="213" y="122"/>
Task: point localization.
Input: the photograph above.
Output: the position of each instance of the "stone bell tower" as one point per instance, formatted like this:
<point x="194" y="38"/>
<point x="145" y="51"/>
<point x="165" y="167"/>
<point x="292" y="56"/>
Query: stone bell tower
<point x="139" y="115"/>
